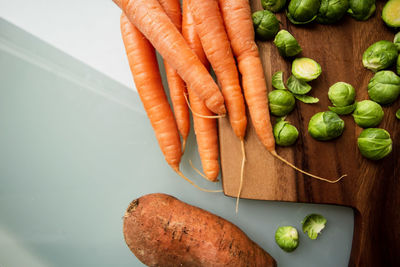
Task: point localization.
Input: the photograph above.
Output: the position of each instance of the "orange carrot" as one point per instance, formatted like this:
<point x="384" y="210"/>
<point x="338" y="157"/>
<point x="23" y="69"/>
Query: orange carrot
<point x="205" y="129"/>
<point x="215" y="42"/>
<point x="176" y="86"/>
<point x="143" y="63"/>
<point x="150" y="18"/>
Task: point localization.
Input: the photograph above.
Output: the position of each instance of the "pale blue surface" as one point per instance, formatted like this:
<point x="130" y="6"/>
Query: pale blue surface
<point x="76" y="148"/>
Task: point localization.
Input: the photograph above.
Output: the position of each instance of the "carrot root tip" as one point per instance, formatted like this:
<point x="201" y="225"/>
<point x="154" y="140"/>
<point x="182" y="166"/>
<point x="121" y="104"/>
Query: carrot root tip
<point x="241" y="175"/>
<point x="200" y="115"/>
<point x="195" y="185"/>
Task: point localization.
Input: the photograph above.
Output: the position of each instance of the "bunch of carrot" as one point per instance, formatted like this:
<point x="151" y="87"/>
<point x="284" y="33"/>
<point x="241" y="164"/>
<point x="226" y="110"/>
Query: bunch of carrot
<point x="215" y="31"/>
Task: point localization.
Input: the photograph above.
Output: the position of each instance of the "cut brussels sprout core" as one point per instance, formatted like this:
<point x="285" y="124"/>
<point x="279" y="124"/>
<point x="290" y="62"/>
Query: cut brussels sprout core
<point x="306" y="69"/>
<point x="331" y="11"/>
<point x="273" y="5"/>
<point x="298" y="87"/>
<point x="368" y="114"/>
<point x="313" y="225"/>
<point x="341" y="94"/>
<point x="380" y="55"/>
<point x="396" y="40"/>
<point x="391" y="13"/>
<point x="287" y="238"/>
<point x="266" y="25"/>
<point x="307" y="99"/>
<point x="277" y="80"/>
<point x="325" y="126"/>
<point x="361" y="9"/>
<point x="281" y="102"/>
<point x="374" y="143"/>
<point x="285" y="134"/>
<point x="384" y="87"/>
<point x="302" y="11"/>
<point x="343" y="110"/>
<point x="287" y="45"/>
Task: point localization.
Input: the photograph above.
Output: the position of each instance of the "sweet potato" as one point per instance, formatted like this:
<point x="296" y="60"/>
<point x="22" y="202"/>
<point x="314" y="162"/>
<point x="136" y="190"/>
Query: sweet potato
<point x="164" y="231"/>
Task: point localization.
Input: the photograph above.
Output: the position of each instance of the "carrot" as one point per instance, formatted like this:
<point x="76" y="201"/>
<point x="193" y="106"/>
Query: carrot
<point x="149" y="17"/>
<point x="205" y="129"/>
<point x="215" y="42"/>
<point x="176" y="86"/>
<point x="143" y="64"/>
<point x="239" y="25"/>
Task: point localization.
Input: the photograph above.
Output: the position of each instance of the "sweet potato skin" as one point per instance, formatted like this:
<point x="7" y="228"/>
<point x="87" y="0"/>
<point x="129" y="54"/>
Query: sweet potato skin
<point x="164" y="231"/>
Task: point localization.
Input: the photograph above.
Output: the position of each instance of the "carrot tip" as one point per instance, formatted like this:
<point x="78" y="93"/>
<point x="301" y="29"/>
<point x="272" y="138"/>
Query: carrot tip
<point x="241" y="175"/>
<point x="273" y="152"/>
<point x="183" y="145"/>
<point x="199" y="172"/>
<point x="200" y="115"/>
<point x="195" y="185"/>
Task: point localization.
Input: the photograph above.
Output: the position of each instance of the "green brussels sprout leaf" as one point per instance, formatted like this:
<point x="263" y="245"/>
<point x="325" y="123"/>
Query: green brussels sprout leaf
<point x="374" y="143"/>
<point x="361" y="9"/>
<point x="325" y="126"/>
<point x="277" y="80"/>
<point x="285" y="134"/>
<point x="287" y="45"/>
<point x="281" y="102"/>
<point x="307" y="99"/>
<point x="273" y="5"/>
<point x="398" y="114"/>
<point x="380" y="55"/>
<point x="332" y="11"/>
<point x="368" y="114"/>
<point x="384" y="87"/>
<point x="343" y="110"/>
<point x="398" y="65"/>
<point x="313" y="224"/>
<point x="297" y="87"/>
<point x="287" y="238"/>
<point x="390" y="13"/>
<point x="341" y="94"/>
<point x="306" y="69"/>
<point x="266" y="25"/>
<point x="302" y="11"/>
<point x="396" y="41"/>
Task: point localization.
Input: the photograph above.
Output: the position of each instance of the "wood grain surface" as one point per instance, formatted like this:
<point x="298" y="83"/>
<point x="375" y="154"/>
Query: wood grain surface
<point x="371" y="188"/>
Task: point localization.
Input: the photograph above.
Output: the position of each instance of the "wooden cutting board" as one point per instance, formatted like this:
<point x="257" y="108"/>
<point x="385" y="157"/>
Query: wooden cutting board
<point x="371" y="188"/>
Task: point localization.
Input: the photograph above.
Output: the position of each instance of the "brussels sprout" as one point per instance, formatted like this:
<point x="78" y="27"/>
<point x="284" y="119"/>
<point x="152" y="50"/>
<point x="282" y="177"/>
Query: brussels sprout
<point x="361" y="9"/>
<point x="380" y="55"/>
<point x="390" y="13"/>
<point x="277" y="80"/>
<point x="287" y="238"/>
<point x="307" y="99"/>
<point x="273" y="5"/>
<point x="398" y="65"/>
<point x="297" y="87"/>
<point x="281" y="102"/>
<point x="341" y="94"/>
<point x="306" y="69"/>
<point x="331" y="11"/>
<point x="266" y="25"/>
<point x="287" y="45"/>
<point x="374" y="143"/>
<point x="368" y="114"/>
<point x="398" y="114"/>
<point x="384" y="87"/>
<point x="285" y="134"/>
<point x="313" y="224"/>
<point x="396" y="40"/>
<point x="343" y="110"/>
<point x="302" y="11"/>
<point x="325" y="126"/>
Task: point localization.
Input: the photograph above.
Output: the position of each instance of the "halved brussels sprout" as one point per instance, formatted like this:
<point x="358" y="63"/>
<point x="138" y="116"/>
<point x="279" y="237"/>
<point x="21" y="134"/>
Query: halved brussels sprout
<point x="266" y="25"/>
<point x="306" y="69"/>
<point x="325" y="126"/>
<point x="273" y="5"/>
<point x="287" y="238"/>
<point x="313" y="224"/>
<point x="368" y="114"/>
<point x="331" y="11"/>
<point x="302" y="11"/>
<point x="287" y="45"/>
<point x="285" y="134"/>
<point x="307" y="99"/>
<point x="277" y="80"/>
<point x="343" y="110"/>
<point x="396" y="40"/>
<point x="361" y="9"/>
<point x="341" y="94"/>
<point x="374" y="143"/>
<point x="380" y="55"/>
<point x="391" y="13"/>
<point x="281" y="102"/>
<point x="297" y="86"/>
<point x="384" y="87"/>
